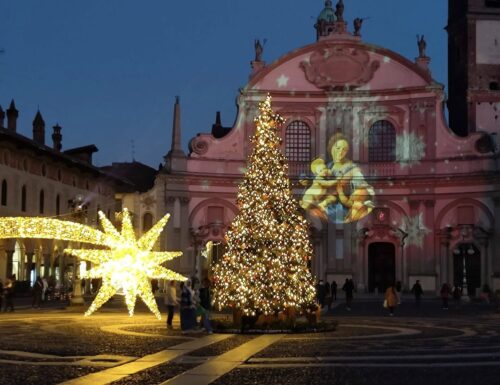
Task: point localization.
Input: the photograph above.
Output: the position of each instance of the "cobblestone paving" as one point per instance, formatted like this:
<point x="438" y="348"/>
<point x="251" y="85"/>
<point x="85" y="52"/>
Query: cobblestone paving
<point x="429" y="346"/>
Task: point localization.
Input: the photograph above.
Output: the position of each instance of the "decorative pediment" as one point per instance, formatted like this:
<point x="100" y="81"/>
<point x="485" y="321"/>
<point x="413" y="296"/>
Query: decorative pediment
<point x="339" y="67"/>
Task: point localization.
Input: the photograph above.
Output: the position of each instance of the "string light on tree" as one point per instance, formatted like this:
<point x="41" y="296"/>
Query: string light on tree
<point x="265" y="268"/>
<point x="127" y="266"/>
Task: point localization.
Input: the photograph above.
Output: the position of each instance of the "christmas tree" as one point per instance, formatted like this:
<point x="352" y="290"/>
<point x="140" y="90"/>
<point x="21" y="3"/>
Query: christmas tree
<point x="265" y="267"/>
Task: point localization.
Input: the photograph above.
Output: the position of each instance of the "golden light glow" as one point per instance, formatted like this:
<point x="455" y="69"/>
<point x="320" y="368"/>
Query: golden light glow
<point x="127" y="266"/>
<point x="264" y="268"/>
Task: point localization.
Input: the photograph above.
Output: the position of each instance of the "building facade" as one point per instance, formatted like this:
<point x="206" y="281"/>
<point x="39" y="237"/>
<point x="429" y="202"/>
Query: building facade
<point x="412" y="200"/>
<point x="42" y="180"/>
<point x="474" y="65"/>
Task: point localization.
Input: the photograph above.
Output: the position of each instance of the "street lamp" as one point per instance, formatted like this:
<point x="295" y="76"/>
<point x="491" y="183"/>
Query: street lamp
<point x="79" y="213"/>
<point x="463" y="250"/>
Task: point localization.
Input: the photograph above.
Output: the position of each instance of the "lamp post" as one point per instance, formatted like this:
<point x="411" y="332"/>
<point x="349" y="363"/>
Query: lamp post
<point x="463" y="250"/>
<point x="79" y="212"/>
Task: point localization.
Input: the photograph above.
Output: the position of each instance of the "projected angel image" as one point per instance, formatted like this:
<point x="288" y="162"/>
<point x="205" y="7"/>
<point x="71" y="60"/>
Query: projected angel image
<point x="339" y="191"/>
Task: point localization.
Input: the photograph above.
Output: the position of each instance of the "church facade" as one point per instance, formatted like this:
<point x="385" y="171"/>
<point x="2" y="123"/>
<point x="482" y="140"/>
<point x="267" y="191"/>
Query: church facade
<point x="417" y="202"/>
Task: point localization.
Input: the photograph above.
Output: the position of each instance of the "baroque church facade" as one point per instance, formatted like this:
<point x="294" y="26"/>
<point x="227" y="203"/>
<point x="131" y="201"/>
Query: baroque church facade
<point x="431" y="196"/>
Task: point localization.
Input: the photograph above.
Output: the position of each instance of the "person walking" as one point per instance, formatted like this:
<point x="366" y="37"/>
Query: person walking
<point x="170" y="302"/>
<point x="187" y="308"/>
<point x="391" y="299"/>
<point x="205" y="303"/>
<point x="417" y="292"/>
<point x="334" y="290"/>
<point x="445" y="295"/>
<point x="320" y="293"/>
<point x="37" y="293"/>
<point x="348" y="288"/>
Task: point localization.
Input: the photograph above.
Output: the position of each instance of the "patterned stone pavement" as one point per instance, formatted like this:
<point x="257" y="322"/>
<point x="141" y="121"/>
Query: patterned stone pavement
<point x="427" y="346"/>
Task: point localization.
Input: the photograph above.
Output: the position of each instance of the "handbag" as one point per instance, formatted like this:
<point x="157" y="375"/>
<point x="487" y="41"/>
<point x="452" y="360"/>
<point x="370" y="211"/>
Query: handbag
<point x="385" y="304"/>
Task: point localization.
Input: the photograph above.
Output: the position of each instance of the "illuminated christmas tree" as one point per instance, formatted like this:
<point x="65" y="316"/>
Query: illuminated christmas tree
<point x="265" y="267"/>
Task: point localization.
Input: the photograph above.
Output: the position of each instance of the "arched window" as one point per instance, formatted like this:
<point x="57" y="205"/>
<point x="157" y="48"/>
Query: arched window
<point x="382" y="142"/>
<point x="23" y="198"/>
<point x="298" y="142"/>
<point x="147" y="221"/>
<point x="41" y="201"/>
<point x="4" y="193"/>
<point x="58" y="204"/>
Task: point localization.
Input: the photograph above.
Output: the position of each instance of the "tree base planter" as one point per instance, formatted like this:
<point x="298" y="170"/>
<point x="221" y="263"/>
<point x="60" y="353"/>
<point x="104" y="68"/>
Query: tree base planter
<point x="283" y="322"/>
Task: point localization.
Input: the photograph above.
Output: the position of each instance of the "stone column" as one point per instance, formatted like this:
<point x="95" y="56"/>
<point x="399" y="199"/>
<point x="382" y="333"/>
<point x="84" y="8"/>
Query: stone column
<point x="496" y="239"/>
<point x="412" y="261"/>
<point x="429" y="261"/>
<point x="443" y="241"/>
<point x="362" y="265"/>
<point x="331" y="245"/>
<point x="3" y="261"/>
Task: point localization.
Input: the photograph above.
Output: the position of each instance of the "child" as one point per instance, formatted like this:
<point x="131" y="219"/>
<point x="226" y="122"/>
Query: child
<point x="316" y="195"/>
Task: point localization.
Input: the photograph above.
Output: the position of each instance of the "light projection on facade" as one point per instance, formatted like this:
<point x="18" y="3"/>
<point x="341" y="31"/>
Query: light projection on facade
<point x="127" y="265"/>
<point x="416" y="230"/>
<point x="410" y="149"/>
<point x="339" y="191"/>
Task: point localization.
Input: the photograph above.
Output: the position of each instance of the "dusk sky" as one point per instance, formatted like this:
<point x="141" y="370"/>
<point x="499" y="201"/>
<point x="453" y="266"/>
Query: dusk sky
<point x="108" y="71"/>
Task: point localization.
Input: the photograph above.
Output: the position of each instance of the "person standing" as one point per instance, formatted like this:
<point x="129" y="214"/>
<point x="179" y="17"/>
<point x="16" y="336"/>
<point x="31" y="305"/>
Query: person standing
<point x="187" y="308"/>
<point x="334" y="290"/>
<point x="320" y="293"/>
<point x="391" y="299"/>
<point x="445" y="295"/>
<point x="205" y="303"/>
<point x="8" y="292"/>
<point x="348" y="288"/>
<point x="37" y="293"/>
<point x="417" y="292"/>
<point x="170" y="302"/>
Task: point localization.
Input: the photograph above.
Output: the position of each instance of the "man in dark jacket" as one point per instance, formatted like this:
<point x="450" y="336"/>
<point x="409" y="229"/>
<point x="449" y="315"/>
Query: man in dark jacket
<point x="417" y="292"/>
<point x="205" y="303"/>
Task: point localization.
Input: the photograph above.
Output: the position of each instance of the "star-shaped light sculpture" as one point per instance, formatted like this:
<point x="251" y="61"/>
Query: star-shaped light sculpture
<point x="128" y="265"/>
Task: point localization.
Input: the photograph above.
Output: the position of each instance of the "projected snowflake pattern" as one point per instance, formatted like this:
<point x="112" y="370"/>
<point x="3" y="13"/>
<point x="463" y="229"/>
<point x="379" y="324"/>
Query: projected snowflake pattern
<point x="415" y="229"/>
<point x="410" y="149"/>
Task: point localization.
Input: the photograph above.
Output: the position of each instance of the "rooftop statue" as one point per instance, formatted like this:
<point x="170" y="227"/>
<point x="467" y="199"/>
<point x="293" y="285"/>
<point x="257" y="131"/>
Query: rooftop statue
<point x="422" y="44"/>
<point x="258" y="50"/>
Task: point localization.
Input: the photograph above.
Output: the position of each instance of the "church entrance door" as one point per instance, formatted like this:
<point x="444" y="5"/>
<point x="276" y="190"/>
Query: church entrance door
<point x="381" y="266"/>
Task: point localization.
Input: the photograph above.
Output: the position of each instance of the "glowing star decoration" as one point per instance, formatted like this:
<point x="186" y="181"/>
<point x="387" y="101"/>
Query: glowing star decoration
<point x="416" y="230"/>
<point x="129" y="264"/>
<point x="410" y="149"/>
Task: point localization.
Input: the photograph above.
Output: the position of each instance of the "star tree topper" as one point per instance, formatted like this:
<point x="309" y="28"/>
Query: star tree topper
<point x="128" y="265"/>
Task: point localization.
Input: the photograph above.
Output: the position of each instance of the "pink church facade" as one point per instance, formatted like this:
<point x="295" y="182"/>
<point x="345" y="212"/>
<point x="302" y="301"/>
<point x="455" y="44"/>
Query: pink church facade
<point x="435" y="199"/>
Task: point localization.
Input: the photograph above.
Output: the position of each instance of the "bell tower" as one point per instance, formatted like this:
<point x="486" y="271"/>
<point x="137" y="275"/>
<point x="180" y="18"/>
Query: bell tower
<point x="474" y="65"/>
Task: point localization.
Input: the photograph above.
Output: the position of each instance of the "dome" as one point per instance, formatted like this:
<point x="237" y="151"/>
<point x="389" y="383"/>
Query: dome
<point x="327" y="14"/>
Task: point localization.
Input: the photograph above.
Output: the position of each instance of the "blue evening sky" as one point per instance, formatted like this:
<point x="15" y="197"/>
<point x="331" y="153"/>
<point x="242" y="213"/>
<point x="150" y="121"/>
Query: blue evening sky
<point x="108" y="71"/>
